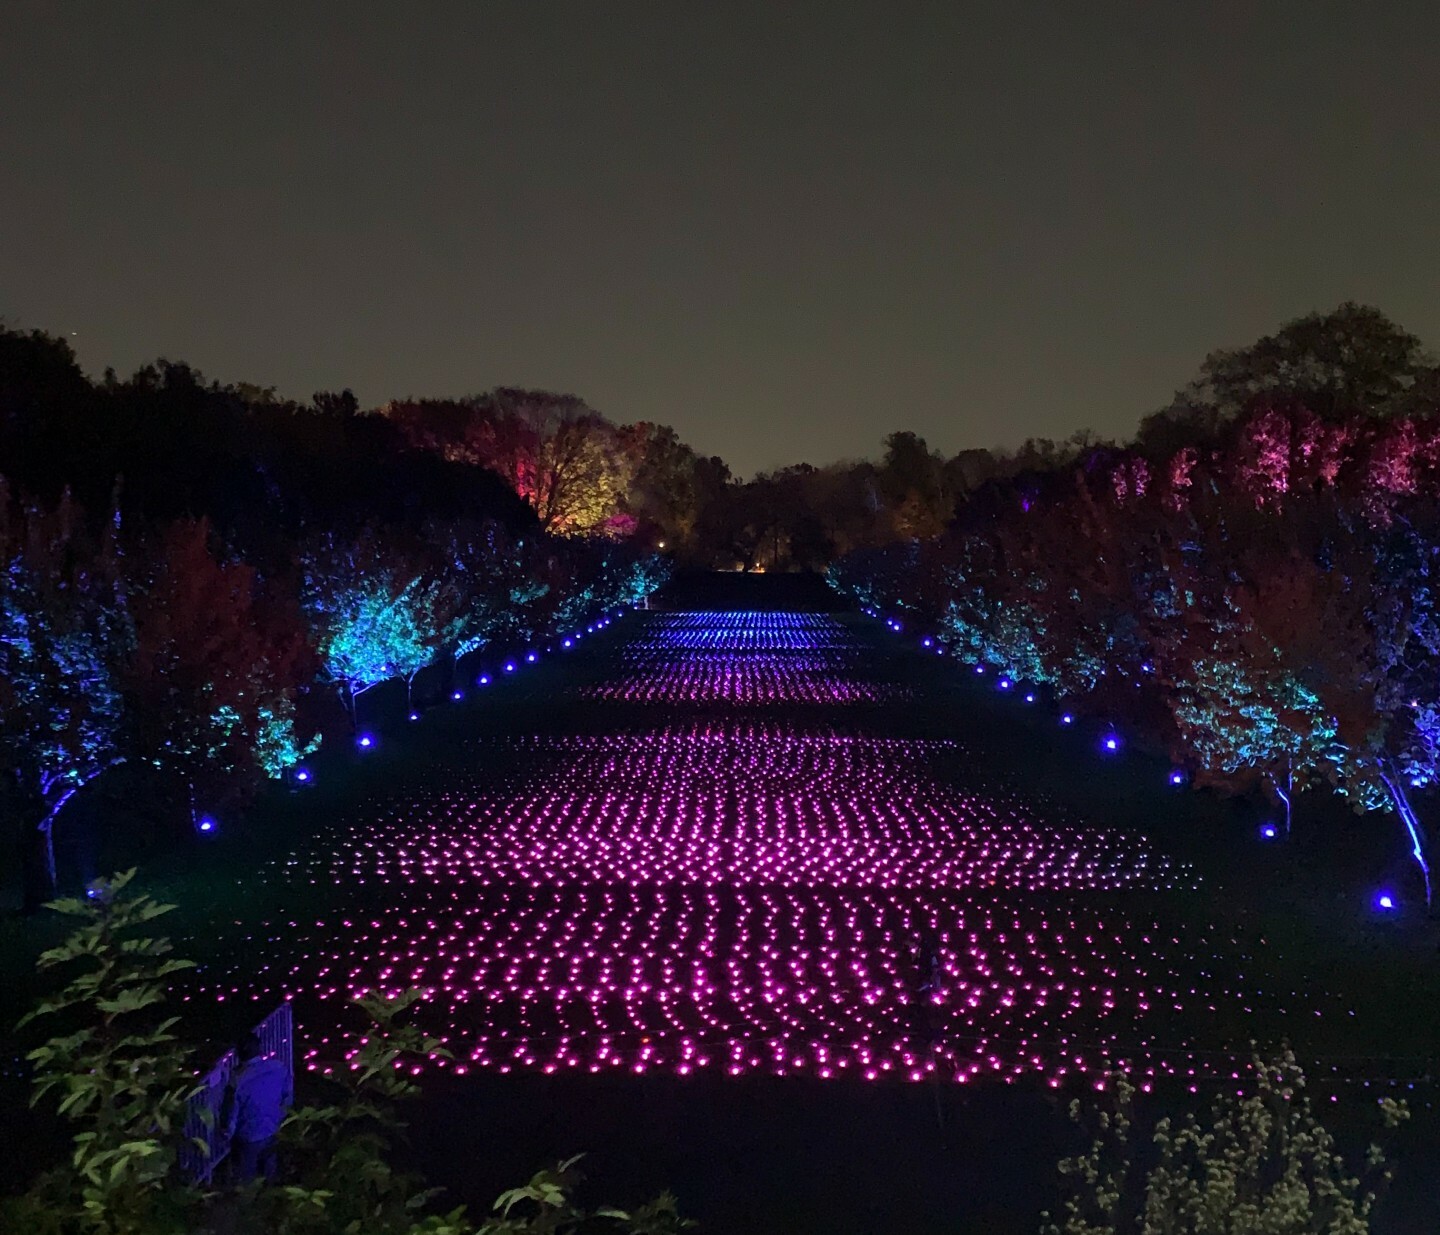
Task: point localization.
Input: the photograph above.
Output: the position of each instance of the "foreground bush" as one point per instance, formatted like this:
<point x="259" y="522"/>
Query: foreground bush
<point x="121" y="1076"/>
<point x="1262" y="1164"/>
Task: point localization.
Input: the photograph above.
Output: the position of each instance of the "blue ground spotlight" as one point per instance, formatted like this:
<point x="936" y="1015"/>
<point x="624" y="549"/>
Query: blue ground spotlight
<point x="302" y="775"/>
<point x="483" y="680"/>
<point x="530" y="657"/>
<point x="414" y="715"/>
<point x="365" y="741"/>
<point x="1110" y="743"/>
<point x="927" y="642"/>
<point x="979" y="668"/>
<point x="509" y="666"/>
<point x="1004" y="683"/>
<point x="1177" y="777"/>
<point x="1066" y="718"/>
<point x="1029" y="696"/>
<point x="1385" y="902"/>
<point x="457" y="695"/>
<point x="206" y="824"/>
<point x="567" y="643"/>
<point x="1268" y="831"/>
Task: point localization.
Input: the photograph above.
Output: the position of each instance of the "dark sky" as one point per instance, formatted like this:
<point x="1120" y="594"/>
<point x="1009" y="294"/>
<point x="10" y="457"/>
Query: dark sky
<point x="784" y="228"/>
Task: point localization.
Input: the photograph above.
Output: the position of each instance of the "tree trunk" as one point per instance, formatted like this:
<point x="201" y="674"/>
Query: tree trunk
<point x="40" y="882"/>
<point x="1285" y="795"/>
<point x="1419" y="846"/>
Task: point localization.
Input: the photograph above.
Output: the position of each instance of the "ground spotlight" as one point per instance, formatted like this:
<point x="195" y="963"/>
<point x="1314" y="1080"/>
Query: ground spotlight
<point x="206" y="823"/>
<point x="1066" y="718"/>
<point x="1385" y="901"/>
<point x="1268" y="831"/>
<point x="365" y="741"/>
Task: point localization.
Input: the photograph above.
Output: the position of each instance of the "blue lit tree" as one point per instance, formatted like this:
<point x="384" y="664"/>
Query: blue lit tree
<point x="64" y="634"/>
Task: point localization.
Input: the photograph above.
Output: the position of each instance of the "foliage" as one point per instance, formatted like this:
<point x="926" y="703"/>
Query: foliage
<point x="1261" y="1164"/>
<point x="217" y="667"/>
<point x="117" y="1071"/>
<point x="65" y="629"/>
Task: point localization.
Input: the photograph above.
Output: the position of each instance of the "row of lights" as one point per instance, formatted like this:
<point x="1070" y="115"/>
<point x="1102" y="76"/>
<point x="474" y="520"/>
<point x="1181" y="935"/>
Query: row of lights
<point x="1111" y="744"/>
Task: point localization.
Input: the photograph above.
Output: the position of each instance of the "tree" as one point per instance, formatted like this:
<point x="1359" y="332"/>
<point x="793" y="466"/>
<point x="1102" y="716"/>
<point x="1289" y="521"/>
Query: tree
<point x="65" y="632"/>
<point x="1253" y="1165"/>
<point x="912" y="482"/>
<point x="218" y="663"/>
<point x="560" y="455"/>
<point x="1351" y="360"/>
<point x="374" y="605"/>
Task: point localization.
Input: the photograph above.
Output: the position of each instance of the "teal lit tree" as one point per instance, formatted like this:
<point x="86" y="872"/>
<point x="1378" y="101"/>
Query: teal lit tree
<point x="373" y="605"/>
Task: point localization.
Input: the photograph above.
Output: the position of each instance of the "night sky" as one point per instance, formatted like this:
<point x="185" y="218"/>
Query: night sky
<point x="786" y="229"/>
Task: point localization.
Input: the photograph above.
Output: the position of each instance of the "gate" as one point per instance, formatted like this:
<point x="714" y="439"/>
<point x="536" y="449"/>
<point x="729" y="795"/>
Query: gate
<point x="202" y="1114"/>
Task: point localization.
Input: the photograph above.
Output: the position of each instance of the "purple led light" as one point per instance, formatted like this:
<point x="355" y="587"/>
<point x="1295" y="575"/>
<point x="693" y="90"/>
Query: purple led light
<point x="733" y="894"/>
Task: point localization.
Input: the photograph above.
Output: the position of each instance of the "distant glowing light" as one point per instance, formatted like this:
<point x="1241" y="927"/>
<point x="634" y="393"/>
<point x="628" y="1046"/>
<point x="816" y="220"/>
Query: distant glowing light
<point x="1177" y="777"/>
<point x="483" y="680"/>
<point x="1066" y="718"/>
<point x="457" y="695"/>
<point x="530" y="656"/>
<point x="1385" y="901"/>
<point x="927" y="641"/>
<point x="1004" y="683"/>
<point x="1111" y="742"/>
<point x="1030" y="697"/>
<point x="302" y="775"/>
<point x="365" y="741"/>
<point x="1269" y="831"/>
<point x="414" y="715"/>
<point x="207" y="823"/>
<point x="979" y="668"/>
<point x="566" y="643"/>
<point x="509" y="666"/>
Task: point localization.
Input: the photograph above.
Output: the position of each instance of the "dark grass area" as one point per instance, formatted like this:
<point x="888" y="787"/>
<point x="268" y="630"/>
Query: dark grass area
<point x="771" y="1155"/>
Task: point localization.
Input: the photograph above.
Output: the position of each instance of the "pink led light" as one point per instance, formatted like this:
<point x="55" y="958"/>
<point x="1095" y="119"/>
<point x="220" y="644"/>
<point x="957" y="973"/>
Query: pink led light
<point x="737" y="896"/>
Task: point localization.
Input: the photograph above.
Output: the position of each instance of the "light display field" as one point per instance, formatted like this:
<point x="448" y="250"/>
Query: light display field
<point x="747" y="888"/>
